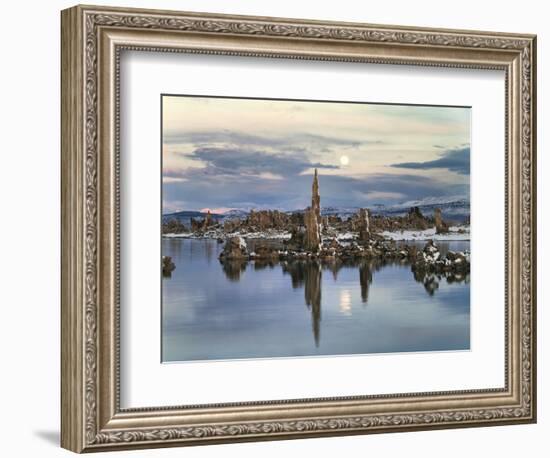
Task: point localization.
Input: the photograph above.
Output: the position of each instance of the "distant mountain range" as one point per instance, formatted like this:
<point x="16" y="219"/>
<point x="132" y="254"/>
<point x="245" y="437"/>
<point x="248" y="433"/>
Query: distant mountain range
<point x="186" y="215"/>
<point x="454" y="208"/>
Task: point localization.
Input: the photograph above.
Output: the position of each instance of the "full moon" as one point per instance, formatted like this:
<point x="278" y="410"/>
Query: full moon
<point x="344" y="160"/>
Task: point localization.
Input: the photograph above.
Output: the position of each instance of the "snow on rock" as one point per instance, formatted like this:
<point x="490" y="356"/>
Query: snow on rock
<point x="235" y="249"/>
<point x="455" y="233"/>
<point x="182" y="235"/>
<point x="268" y="234"/>
<point x="346" y="236"/>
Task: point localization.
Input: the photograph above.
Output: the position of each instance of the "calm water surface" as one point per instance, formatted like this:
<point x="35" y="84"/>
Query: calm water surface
<point x="255" y="310"/>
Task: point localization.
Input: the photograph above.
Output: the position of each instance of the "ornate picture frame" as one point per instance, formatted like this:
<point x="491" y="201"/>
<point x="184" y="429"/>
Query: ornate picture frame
<point x="92" y="41"/>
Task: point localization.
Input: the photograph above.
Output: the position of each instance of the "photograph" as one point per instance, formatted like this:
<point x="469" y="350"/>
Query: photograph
<point x="301" y="228"/>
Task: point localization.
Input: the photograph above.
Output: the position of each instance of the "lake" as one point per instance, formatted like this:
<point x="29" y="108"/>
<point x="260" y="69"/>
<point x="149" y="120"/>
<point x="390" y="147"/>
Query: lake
<point x="213" y="311"/>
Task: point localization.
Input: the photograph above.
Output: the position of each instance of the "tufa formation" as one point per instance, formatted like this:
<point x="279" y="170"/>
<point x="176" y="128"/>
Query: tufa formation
<point x="312" y="219"/>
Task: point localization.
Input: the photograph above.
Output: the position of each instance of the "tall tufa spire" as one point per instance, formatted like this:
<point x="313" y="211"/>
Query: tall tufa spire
<point x="312" y="219"/>
<point x="315" y="197"/>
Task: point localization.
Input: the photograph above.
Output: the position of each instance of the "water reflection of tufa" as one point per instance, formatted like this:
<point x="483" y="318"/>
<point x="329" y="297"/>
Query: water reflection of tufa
<point x="365" y="280"/>
<point x="313" y="297"/>
<point x="234" y="269"/>
<point x="308" y="274"/>
<point x="431" y="280"/>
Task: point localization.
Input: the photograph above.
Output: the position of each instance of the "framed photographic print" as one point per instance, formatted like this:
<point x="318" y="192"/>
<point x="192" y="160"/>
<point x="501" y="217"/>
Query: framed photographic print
<point x="278" y="228"/>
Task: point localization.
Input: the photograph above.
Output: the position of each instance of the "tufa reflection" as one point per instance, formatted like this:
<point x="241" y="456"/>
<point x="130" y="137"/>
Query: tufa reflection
<point x="308" y="274"/>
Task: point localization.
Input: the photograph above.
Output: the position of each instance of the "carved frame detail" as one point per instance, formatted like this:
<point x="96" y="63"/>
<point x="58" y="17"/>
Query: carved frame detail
<point x="88" y="422"/>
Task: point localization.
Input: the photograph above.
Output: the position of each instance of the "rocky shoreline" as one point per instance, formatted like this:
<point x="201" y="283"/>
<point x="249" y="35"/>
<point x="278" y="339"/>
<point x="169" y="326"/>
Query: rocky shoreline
<point x="428" y="260"/>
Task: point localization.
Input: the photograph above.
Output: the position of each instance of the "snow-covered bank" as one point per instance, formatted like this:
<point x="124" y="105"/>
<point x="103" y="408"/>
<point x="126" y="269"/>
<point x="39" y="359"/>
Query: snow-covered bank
<point x="269" y="234"/>
<point x="455" y="233"/>
<point x="182" y="235"/>
<point x="346" y="237"/>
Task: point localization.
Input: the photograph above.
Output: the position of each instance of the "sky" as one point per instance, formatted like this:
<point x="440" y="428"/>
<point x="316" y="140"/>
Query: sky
<point x="233" y="153"/>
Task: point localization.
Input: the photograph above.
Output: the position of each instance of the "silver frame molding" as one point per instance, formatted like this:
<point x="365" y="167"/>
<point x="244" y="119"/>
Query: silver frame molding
<point x="92" y="40"/>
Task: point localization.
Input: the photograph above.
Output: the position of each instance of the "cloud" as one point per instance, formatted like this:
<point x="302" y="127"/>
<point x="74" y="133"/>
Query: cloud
<point x="386" y="195"/>
<point x="167" y="179"/>
<point x="238" y="138"/>
<point x="224" y="136"/>
<point x="456" y="160"/>
<point x="246" y="162"/>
